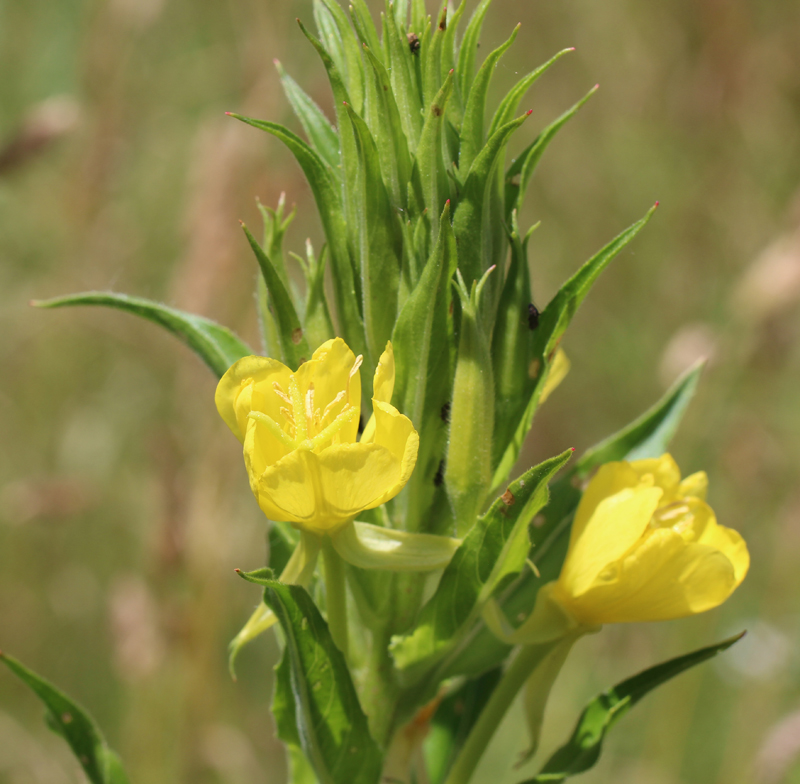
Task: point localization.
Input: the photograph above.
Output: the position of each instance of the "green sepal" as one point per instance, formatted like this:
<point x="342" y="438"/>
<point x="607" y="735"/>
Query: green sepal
<point x="583" y="749"/>
<point x="321" y="134"/>
<point x="216" y="345"/>
<point x="380" y="244"/>
<point x="496" y="548"/>
<point x="521" y="171"/>
<point x="69" y="720"/>
<point x="331" y="726"/>
<point x="475" y="110"/>
<point x="325" y="189"/>
<point x="553" y="322"/>
<point x="422" y="375"/>
<point x="468" y="462"/>
<point x="647" y="436"/>
<point x="294" y="346"/>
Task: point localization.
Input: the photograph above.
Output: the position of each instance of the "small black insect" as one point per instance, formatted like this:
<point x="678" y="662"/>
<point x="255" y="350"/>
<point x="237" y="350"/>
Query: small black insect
<point x="445" y="412"/>
<point x="413" y="42"/>
<point x="439" y="478"/>
<point x="533" y="316"/>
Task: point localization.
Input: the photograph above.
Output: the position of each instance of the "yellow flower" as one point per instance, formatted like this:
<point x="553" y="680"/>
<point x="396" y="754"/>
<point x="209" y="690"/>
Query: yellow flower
<point x="645" y="546"/>
<point x="300" y="429"/>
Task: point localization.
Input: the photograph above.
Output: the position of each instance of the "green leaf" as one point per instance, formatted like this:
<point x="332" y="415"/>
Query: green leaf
<point x="365" y="26"/>
<point x="521" y="171"/>
<point x="325" y="190"/>
<point x="449" y="48"/>
<point x="646" y="436"/>
<point x="553" y="322"/>
<point x="320" y="132"/>
<point x="73" y="723"/>
<point x="467" y="52"/>
<point x="431" y="54"/>
<point x="380" y="244"/>
<point x="510" y="104"/>
<point x="216" y="345"/>
<point x="429" y="176"/>
<point x="317" y="319"/>
<point x="342" y="44"/>
<point x="494" y="549"/>
<point x="472" y="220"/>
<point x="583" y="749"/>
<point x="294" y="347"/>
<point x="282" y="540"/>
<point x="472" y="128"/>
<point x="383" y="118"/>
<point x="404" y="80"/>
<point x="331" y="726"/>
<point x="452" y="722"/>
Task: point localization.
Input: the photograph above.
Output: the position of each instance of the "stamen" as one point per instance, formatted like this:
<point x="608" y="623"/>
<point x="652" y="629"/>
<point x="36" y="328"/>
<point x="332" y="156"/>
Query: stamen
<point x="338" y="399"/>
<point x="280" y="393"/>
<point x="273" y="428"/>
<point x="310" y="403"/>
<point x="333" y="428"/>
<point x="288" y="415"/>
<point x="300" y="424"/>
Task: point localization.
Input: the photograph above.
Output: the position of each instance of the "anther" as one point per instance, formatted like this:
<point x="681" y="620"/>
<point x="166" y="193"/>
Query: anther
<point x="280" y="393"/>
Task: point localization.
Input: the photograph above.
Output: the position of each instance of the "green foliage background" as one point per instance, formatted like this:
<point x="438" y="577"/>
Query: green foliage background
<point x="123" y="504"/>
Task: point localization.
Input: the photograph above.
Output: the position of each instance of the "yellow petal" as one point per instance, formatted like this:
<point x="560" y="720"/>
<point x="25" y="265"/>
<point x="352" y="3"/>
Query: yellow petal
<point x="395" y="433"/>
<point x="665" y="473"/>
<point x="726" y="540"/>
<point x="559" y="368"/>
<point x="616" y="525"/>
<point x="663" y="578"/>
<point x="383" y="381"/>
<point x="694" y="486"/>
<point x="234" y="391"/>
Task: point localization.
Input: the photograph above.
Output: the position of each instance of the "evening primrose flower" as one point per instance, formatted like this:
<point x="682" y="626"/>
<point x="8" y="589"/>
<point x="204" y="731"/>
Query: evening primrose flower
<point x="644" y="546"/>
<point x="307" y="467"/>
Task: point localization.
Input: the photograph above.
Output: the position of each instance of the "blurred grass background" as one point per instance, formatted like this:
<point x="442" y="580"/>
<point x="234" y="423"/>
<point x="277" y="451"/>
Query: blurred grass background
<point x="123" y="504"/>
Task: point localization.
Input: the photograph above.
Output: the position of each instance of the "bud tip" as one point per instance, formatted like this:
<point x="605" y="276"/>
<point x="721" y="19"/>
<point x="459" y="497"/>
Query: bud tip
<point x="656" y="204"/>
<point x="529" y="113"/>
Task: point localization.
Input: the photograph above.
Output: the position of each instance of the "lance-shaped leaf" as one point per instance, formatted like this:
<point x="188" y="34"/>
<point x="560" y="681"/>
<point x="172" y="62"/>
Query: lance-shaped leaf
<point x="471" y="223"/>
<point x="216" y="345"/>
<point x="429" y="177"/>
<point x="294" y="346"/>
<point x="431" y="65"/>
<point x="418" y="15"/>
<point x="521" y="171"/>
<point x="646" y="436"/>
<point x="347" y="144"/>
<point x="472" y="127"/>
<point x="422" y="376"/>
<point x="583" y="749"/>
<point x="320" y="132"/>
<point x="66" y="718"/>
<point x="383" y="119"/>
<point x="331" y="726"/>
<point x="343" y="46"/>
<point x="365" y="27"/>
<point x="317" y="318"/>
<point x="380" y="244"/>
<point x="510" y="104"/>
<point x="495" y="548"/>
<point x="468" y="50"/>
<point x="552" y="324"/>
<point x="404" y="78"/>
<point x="324" y="187"/>
<point x="449" y="25"/>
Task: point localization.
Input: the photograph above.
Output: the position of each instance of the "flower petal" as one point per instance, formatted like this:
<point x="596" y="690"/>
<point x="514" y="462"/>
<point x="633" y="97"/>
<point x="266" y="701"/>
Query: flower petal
<point x="383" y="381"/>
<point x="665" y="473"/>
<point x="395" y="433"/>
<point x="664" y="578"/>
<point x="235" y="389"/>
<point x="616" y="525"/>
<point x="694" y="486"/>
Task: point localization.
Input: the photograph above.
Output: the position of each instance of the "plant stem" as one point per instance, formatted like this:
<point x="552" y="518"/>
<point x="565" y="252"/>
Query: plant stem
<point x="335" y="595"/>
<point x="506" y="690"/>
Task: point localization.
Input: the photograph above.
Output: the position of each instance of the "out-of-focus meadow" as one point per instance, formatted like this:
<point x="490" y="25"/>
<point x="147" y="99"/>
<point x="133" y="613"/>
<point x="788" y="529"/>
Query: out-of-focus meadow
<point x="124" y="506"/>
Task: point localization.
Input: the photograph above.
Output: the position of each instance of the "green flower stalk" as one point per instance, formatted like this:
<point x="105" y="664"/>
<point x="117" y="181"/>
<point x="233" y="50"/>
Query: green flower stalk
<point x="381" y="427"/>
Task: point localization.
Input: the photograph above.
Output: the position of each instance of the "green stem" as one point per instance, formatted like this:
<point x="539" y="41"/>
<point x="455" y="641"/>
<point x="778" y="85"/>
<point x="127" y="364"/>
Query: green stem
<point x="335" y="595"/>
<point x="510" y="684"/>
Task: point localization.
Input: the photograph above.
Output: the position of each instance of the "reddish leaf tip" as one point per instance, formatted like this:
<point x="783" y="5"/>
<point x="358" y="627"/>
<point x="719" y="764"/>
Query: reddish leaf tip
<point x="229" y="114"/>
<point x="572" y="449"/>
<point x="238" y="571"/>
<point x="656" y="204"/>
